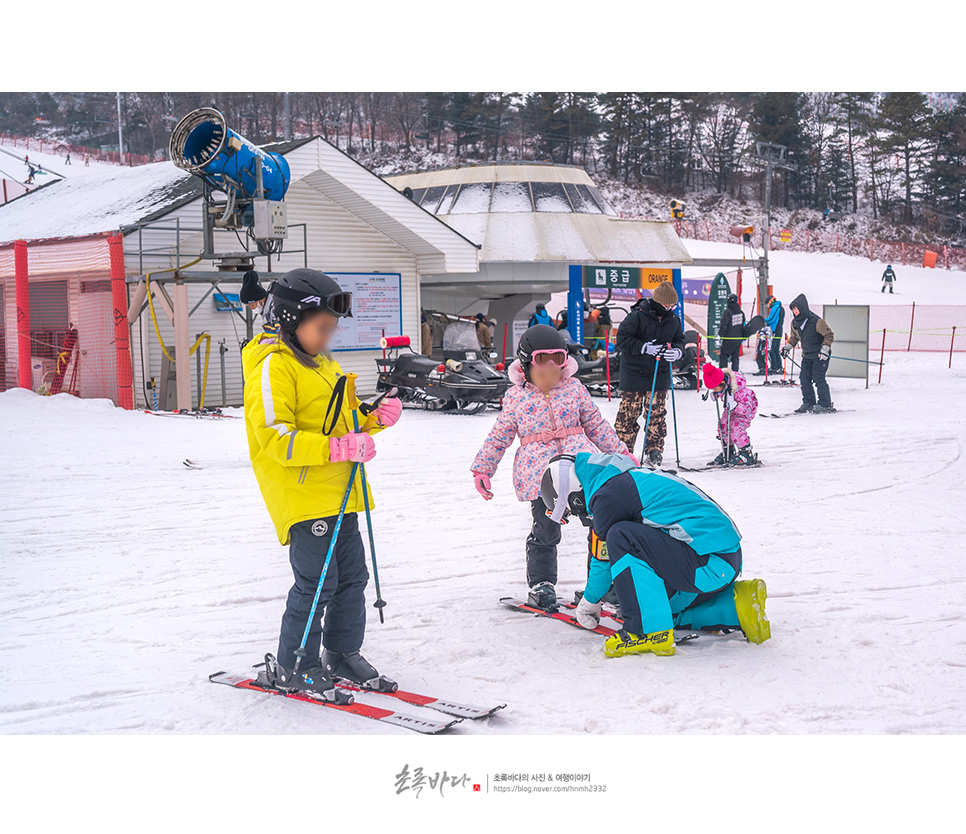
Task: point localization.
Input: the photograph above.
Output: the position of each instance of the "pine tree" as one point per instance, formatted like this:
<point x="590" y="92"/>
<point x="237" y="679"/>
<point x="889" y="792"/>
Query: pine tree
<point x="906" y="121"/>
<point x="946" y="177"/>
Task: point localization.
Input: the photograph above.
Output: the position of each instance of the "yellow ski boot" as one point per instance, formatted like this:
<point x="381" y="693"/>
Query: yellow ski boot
<point x="750" y="597"/>
<point x="659" y="642"/>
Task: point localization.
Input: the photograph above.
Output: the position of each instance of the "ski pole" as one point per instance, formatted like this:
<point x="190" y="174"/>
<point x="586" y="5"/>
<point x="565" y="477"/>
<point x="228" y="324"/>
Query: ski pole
<point x="650" y="405"/>
<point x="717" y="408"/>
<point x="674" y="415"/>
<point x="300" y="653"/>
<point x="380" y="603"/>
<point x="729" y="410"/>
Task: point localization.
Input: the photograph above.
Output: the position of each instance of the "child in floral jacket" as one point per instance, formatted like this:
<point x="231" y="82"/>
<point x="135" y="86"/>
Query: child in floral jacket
<point x="552" y="413"/>
<point x="740" y="405"/>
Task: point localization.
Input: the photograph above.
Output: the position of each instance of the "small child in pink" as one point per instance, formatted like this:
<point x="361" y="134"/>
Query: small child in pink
<point x="740" y="405"/>
<point x="552" y="413"/>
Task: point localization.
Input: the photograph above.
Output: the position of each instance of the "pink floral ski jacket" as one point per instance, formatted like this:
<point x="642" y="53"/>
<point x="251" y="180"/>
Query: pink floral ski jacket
<point x="564" y="420"/>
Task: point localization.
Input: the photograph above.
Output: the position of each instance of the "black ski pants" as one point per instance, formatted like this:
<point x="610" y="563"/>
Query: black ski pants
<point x="813" y="371"/>
<point x="343" y="597"/>
<point x="542" y="545"/>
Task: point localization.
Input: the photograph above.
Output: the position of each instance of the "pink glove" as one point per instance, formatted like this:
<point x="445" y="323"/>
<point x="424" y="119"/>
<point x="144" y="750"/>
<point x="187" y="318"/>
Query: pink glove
<point x="635" y="458"/>
<point x="356" y="447"/>
<point x="389" y="411"/>
<point x="482" y="484"/>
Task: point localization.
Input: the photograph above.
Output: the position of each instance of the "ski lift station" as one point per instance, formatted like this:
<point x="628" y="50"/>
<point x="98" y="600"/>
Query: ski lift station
<point x="118" y="284"/>
<point x="536" y="224"/>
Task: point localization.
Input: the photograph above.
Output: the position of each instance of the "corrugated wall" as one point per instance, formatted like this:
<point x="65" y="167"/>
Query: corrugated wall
<point x="337" y="242"/>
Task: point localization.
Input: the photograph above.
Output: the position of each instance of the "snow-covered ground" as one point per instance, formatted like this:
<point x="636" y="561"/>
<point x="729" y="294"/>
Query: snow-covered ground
<point x="126" y="578"/>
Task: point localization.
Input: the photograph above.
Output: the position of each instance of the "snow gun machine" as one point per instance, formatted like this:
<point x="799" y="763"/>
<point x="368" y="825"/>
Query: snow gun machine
<point x="252" y="181"/>
<point x="463" y="383"/>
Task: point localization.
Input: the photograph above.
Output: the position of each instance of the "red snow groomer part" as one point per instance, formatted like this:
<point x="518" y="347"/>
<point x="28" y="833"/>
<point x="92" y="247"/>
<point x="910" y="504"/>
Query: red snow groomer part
<point x="64" y="356"/>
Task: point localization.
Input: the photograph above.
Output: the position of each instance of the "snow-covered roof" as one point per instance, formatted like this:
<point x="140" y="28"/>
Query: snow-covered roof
<point x="120" y="198"/>
<point x="96" y="203"/>
<point x="521" y="213"/>
<point x="574" y="238"/>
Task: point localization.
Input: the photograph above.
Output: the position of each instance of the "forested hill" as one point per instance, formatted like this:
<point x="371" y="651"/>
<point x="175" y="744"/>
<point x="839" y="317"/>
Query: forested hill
<point x="889" y="160"/>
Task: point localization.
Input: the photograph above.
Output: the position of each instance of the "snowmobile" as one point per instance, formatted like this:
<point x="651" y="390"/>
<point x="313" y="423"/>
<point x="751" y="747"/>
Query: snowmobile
<point x="593" y="372"/>
<point x="463" y="382"/>
<point x="685" y="370"/>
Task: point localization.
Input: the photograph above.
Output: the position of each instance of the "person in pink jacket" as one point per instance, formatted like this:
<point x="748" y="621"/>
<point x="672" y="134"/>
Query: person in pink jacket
<point x="740" y="405"/>
<point x="552" y="413"/>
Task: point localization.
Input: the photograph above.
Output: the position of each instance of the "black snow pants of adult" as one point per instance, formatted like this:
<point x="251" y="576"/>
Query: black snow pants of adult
<point x="813" y="371"/>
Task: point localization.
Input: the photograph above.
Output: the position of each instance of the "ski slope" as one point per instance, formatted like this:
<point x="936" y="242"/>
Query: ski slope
<point x="126" y="578"/>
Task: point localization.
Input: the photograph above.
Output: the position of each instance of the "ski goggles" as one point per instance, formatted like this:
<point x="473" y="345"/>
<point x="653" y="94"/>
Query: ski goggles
<point x="549" y="357"/>
<point x="338" y="303"/>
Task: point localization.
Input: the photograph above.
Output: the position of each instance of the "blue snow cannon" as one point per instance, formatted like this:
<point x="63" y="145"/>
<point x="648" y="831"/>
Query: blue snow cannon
<point x="203" y="145"/>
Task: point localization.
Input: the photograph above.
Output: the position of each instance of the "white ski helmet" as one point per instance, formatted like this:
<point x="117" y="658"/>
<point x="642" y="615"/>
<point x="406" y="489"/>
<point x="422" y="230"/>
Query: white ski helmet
<point x="561" y="490"/>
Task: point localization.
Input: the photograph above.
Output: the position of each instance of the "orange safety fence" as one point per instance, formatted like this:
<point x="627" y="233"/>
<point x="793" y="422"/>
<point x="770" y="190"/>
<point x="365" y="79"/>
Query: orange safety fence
<point x="26" y="144"/>
<point x="64" y="322"/>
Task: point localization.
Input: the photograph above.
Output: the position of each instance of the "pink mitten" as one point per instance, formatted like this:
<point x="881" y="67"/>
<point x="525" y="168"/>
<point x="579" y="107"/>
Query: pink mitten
<point x="482" y="484"/>
<point x="356" y="447"/>
<point x="389" y="411"/>
<point x="633" y="457"/>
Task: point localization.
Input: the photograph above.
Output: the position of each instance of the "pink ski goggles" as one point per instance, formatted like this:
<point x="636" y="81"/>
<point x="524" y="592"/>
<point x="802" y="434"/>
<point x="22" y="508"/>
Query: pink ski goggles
<point x="550" y="357"/>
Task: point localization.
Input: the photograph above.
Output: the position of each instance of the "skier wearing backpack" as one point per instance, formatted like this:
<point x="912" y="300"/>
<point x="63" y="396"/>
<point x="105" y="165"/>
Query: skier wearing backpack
<point x="739" y="407"/>
<point x="540" y="316"/>
<point x="303" y="445"/>
<point x="551" y="412"/>
<point x="816" y="338"/>
<point x="731" y="334"/>
<point x="775" y="321"/>
<point x="888" y="278"/>
<point x="672" y="553"/>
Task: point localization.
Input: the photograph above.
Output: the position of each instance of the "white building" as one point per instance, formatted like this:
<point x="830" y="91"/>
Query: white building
<point x="532" y="221"/>
<point x="342" y="219"/>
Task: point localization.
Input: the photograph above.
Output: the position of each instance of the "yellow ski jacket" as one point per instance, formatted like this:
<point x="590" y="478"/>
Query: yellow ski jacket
<point x="285" y="410"/>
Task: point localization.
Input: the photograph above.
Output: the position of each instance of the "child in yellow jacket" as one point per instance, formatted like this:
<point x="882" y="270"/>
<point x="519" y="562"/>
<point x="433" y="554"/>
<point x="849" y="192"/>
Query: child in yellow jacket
<point x="304" y="448"/>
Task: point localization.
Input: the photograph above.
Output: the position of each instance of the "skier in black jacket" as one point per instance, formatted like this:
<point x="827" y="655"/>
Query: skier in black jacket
<point x="650" y="338"/>
<point x="816" y="338"/>
<point x="731" y="333"/>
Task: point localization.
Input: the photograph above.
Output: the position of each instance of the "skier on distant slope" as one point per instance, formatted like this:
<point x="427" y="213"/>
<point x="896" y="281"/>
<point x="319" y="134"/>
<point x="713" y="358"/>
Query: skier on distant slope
<point x="888" y="278"/>
<point x="552" y="412"/>
<point x="816" y="338"/>
<point x="672" y="553"/>
<point x="302" y="442"/>
<point x="739" y="407"/>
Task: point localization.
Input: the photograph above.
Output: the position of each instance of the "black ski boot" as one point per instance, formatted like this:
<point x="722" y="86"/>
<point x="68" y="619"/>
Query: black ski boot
<point x="655" y="458"/>
<point x="543" y="595"/>
<point x="313" y="681"/>
<point x="745" y="457"/>
<point x="722" y="459"/>
<point x="823" y="409"/>
<point x="804" y="408"/>
<point x="353" y="667"/>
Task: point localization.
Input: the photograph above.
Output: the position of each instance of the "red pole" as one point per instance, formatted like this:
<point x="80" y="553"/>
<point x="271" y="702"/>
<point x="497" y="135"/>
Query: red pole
<point x="836" y="243"/>
<point x="903" y="253"/>
<point x="707" y="228"/>
<point x="384" y="336"/>
<point x="25" y="377"/>
<point x="505" y="325"/>
<point x="808" y="237"/>
<point x="871" y="249"/>
<point x="882" y="354"/>
<point x="607" y="362"/>
<point x="122" y="335"/>
<point x="951" y="343"/>
<point x="911" y="325"/>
